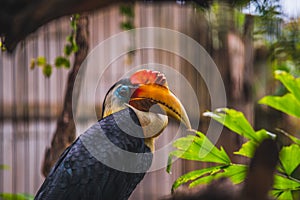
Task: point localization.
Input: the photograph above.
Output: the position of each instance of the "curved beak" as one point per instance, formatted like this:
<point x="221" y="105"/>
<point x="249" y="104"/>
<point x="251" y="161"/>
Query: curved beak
<point x="146" y="95"/>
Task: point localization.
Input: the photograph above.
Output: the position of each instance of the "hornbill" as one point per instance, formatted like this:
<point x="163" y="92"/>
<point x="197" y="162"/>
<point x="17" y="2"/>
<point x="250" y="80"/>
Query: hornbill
<point x="109" y="159"/>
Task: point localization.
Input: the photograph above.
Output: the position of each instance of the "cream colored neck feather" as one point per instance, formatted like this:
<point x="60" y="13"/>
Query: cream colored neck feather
<point x="152" y="123"/>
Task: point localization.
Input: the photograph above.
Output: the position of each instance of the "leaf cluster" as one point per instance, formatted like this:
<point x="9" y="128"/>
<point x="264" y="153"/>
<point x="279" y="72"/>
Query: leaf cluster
<point x="199" y="148"/>
<point x="60" y="61"/>
<point x="286" y="49"/>
<point x="127" y="11"/>
<point x="268" y="18"/>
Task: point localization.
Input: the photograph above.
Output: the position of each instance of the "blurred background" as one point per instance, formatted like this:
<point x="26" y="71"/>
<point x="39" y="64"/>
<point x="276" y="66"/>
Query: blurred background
<point x="247" y="40"/>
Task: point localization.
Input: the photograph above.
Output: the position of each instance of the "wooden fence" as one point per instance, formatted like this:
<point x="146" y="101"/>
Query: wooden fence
<point x="30" y="103"/>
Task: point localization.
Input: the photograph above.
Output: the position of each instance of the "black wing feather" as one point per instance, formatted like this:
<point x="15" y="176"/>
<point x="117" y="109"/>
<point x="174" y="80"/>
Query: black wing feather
<point x="78" y="174"/>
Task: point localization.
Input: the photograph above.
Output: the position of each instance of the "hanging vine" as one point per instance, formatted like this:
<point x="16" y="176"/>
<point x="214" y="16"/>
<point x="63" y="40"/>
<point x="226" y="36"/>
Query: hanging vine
<point x="60" y="61"/>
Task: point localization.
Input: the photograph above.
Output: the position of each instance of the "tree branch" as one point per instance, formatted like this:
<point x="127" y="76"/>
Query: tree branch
<point x="19" y="18"/>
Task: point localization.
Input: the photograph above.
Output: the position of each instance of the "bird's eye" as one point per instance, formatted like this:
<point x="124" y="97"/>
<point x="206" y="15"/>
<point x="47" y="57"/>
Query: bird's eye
<point x="123" y="91"/>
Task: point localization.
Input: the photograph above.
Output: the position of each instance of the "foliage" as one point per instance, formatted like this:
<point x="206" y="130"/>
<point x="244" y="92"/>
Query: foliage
<point x="275" y="29"/>
<point x="2" y="46"/>
<point x="18" y="196"/>
<point x="286" y="49"/>
<point x="127" y="11"/>
<point x="4" y="167"/>
<point x="280" y="33"/>
<point x="60" y="61"/>
<point x="199" y="148"/>
<point x="269" y="15"/>
<point x="290" y="102"/>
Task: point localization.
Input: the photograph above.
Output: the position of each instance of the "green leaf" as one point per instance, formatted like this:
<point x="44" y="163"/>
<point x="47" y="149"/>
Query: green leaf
<point x="62" y="62"/>
<point x="199" y="148"/>
<point x="247" y="149"/>
<point x="74" y="20"/>
<point x="285" y="183"/>
<point x="184" y="143"/>
<point x="275" y="193"/>
<point x="73" y="23"/>
<point x="69" y="38"/>
<point x="41" y="61"/>
<point x="236" y="173"/>
<point x="287" y="104"/>
<point x="68" y="49"/>
<point x="290" y="102"/>
<point x="264" y="134"/>
<point x="285" y="195"/>
<point x="280" y="169"/>
<point x="208" y="150"/>
<point x="127" y="26"/>
<point x="127" y="10"/>
<point x="4" y="167"/>
<point x="203" y="180"/>
<point x="191" y="176"/>
<point x="2" y="45"/>
<point x="18" y="196"/>
<point x="282" y="195"/>
<point x="169" y="165"/>
<point x="290" y="82"/>
<point x="47" y="70"/>
<point x="290" y="158"/>
<point x="75" y="47"/>
<point x="32" y="63"/>
<point x="235" y="121"/>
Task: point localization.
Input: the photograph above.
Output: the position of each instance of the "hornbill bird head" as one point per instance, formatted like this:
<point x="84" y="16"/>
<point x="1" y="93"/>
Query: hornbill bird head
<point x="147" y="93"/>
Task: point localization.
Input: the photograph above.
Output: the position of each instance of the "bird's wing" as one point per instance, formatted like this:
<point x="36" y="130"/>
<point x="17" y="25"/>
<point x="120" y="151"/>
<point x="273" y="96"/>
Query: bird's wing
<point x="80" y="172"/>
<point x="57" y="184"/>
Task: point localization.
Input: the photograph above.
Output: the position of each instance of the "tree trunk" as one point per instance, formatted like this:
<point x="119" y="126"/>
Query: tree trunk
<point x="237" y="73"/>
<point x="65" y="132"/>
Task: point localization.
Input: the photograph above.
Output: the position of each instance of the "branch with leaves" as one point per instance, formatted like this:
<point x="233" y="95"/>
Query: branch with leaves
<point x="60" y="61"/>
<point x="199" y="148"/>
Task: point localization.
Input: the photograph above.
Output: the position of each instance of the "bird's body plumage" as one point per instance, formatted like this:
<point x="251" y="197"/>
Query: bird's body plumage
<point x="80" y="175"/>
<point x="113" y="155"/>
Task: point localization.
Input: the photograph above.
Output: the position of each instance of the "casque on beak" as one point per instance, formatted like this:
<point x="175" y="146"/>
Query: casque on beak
<point x="153" y="89"/>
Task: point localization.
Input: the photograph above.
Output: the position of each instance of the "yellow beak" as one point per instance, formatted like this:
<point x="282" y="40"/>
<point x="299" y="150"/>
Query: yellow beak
<point x="147" y="95"/>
